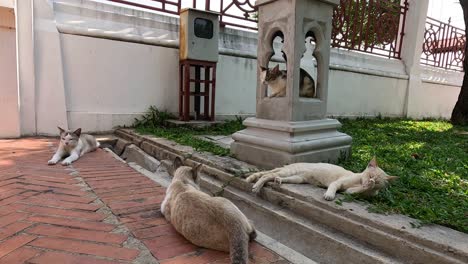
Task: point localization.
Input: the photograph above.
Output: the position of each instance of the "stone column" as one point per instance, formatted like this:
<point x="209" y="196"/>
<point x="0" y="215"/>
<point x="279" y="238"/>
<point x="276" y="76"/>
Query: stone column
<point x="411" y="52"/>
<point x="9" y="107"/>
<point x="50" y="85"/>
<point x="40" y="69"/>
<point x="292" y="129"/>
<point x="25" y="66"/>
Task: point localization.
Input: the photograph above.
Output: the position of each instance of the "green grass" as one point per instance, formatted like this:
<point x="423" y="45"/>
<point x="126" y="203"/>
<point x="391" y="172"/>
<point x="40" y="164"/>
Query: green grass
<point x="431" y="159"/>
<point x="154" y="122"/>
<point x="188" y="136"/>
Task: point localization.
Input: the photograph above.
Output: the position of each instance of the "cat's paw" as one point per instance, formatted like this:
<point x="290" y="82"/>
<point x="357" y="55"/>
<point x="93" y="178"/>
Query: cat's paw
<point x="370" y="184"/>
<point x="256" y="188"/>
<point x="278" y="180"/>
<point x="66" y="162"/>
<point x="51" y="162"/>
<point x="251" y="178"/>
<point x="329" y="196"/>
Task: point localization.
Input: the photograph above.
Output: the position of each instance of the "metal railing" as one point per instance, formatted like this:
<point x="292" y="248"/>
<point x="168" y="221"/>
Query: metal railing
<point x="444" y="45"/>
<point x="166" y="6"/>
<point x="370" y="26"/>
<point x="237" y="13"/>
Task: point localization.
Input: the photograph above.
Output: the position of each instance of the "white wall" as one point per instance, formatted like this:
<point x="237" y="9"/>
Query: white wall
<point x="98" y="66"/>
<point x="26" y="66"/>
<point x="438" y="93"/>
<point x="49" y="84"/>
<point x="436" y="101"/>
<point x="7" y="3"/>
<point x="235" y="88"/>
<point x="9" y="108"/>
<point x="357" y="95"/>
<point x="108" y="82"/>
<point x="117" y="81"/>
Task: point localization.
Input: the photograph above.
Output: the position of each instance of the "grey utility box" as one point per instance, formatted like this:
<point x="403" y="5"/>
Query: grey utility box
<point x="198" y="35"/>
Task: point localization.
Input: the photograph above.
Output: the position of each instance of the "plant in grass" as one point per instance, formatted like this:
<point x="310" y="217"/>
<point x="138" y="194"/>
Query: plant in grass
<point x="153" y="118"/>
<point x="155" y="122"/>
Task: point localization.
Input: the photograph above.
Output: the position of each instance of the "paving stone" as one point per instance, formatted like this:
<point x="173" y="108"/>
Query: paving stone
<point x="58" y="257"/>
<point x="11" y="244"/>
<point x="21" y="255"/>
<point x="78" y="234"/>
<point x="85" y="248"/>
<point x="99" y="210"/>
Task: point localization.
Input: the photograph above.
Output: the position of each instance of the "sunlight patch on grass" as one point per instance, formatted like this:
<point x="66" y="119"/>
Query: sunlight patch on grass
<point x="431" y="160"/>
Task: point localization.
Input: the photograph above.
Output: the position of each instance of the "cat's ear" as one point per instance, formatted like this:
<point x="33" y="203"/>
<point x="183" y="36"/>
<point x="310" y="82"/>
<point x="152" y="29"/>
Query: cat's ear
<point x="61" y="130"/>
<point x="77" y="132"/>
<point x="373" y="163"/>
<point x="177" y="163"/>
<point x="276" y="68"/>
<point x="196" y="171"/>
<point x="263" y="68"/>
<point x="391" y="178"/>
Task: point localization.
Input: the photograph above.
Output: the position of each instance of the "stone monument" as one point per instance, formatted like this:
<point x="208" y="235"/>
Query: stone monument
<point x="291" y="128"/>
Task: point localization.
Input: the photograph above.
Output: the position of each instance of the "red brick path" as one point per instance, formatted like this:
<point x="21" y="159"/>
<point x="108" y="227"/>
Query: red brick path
<point x="57" y="214"/>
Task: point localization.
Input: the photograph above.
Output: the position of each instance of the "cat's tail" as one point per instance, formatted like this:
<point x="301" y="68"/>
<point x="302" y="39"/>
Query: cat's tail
<point x="239" y="245"/>
<point x="240" y="232"/>
<point x="252" y="235"/>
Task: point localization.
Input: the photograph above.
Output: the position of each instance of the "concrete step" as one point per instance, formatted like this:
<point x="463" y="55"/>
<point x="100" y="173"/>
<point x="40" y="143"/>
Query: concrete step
<point x="106" y="140"/>
<point x="162" y="177"/>
<point x="306" y="236"/>
<point x="313" y="240"/>
<point x="305" y="202"/>
<point x="298" y="216"/>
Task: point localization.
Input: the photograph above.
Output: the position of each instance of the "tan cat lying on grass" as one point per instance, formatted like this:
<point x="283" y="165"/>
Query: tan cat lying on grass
<point x="210" y="222"/>
<point x="369" y="182"/>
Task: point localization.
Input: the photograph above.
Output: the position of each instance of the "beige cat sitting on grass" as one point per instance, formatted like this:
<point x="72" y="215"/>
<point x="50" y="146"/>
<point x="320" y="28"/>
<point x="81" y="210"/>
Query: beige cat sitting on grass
<point x="369" y="182"/>
<point x="72" y="146"/>
<point x="210" y="222"/>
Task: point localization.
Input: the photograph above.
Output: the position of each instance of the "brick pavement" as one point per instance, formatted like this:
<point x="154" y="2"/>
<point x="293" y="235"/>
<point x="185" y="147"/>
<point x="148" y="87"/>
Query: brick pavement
<point x="98" y="210"/>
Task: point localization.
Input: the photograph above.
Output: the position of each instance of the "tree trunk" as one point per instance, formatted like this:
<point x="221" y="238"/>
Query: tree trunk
<point x="460" y="111"/>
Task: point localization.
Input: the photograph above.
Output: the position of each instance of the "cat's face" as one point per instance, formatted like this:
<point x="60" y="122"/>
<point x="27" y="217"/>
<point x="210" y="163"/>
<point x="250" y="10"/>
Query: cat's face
<point x="69" y="138"/>
<point x="186" y="174"/>
<point x="375" y="174"/>
<point x="268" y="76"/>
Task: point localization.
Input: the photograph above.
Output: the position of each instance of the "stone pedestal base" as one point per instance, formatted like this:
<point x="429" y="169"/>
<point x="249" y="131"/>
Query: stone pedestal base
<point x="272" y="144"/>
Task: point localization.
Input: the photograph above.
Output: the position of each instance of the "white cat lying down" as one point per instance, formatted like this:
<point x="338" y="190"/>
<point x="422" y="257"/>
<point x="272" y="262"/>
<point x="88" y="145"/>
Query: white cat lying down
<point x="369" y="182"/>
<point x="72" y="146"/>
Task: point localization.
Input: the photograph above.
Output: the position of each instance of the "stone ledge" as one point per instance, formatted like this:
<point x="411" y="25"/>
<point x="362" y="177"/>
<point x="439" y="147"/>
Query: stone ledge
<point x="162" y="148"/>
<point x="393" y="234"/>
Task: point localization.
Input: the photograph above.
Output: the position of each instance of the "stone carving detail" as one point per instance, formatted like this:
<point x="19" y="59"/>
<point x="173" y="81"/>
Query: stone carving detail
<point x="292" y="129"/>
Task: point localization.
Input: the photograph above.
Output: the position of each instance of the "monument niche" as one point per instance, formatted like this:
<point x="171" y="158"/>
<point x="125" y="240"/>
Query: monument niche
<point x="292" y="128"/>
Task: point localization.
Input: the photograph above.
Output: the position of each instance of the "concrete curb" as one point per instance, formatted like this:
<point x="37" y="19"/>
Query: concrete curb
<point x="162" y="177"/>
<point x="393" y="235"/>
